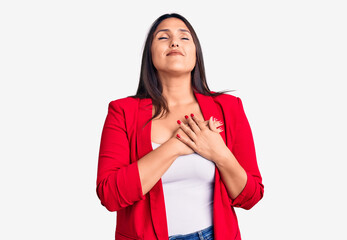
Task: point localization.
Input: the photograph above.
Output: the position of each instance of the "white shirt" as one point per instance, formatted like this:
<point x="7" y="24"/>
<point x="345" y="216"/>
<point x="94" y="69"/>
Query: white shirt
<point x="188" y="192"/>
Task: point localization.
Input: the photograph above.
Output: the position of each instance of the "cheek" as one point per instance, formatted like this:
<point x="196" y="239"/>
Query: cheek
<point x="156" y="52"/>
<point x="155" y="56"/>
<point x="192" y="53"/>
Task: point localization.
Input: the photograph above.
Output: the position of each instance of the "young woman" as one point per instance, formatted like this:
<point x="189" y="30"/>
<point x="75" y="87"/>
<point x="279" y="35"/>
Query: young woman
<point x="165" y="165"/>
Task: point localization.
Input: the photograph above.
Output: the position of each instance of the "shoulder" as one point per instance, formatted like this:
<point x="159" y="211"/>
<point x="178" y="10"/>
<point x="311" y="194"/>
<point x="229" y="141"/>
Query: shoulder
<point x="124" y="103"/>
<point x="226" y="100"/>
<point x="230" y="105"/>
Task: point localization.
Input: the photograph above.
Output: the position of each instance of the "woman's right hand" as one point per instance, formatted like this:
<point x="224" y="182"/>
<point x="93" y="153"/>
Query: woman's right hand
<point x="182" y="148"/>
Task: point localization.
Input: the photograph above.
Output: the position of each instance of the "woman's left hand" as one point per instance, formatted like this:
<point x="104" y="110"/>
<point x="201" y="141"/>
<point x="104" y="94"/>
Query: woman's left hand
<point x="203" y="139"/>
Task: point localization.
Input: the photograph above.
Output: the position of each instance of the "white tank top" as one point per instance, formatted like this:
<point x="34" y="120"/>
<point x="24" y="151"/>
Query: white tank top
<point x="188" y="186"/>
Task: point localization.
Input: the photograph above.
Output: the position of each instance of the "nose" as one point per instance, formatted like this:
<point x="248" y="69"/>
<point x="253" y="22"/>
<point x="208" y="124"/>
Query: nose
<point x="174" y="42"/>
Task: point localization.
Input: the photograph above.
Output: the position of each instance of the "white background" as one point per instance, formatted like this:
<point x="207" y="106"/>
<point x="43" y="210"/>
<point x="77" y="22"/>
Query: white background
<point x="62" y="62"/>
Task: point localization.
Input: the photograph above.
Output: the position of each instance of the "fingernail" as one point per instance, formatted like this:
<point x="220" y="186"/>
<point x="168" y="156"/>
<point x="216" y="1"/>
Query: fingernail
<point x="178" y="135"/>
<point x="178" y="121"/>
<point x="186" y="116"/>
<point x="192" y="115"/>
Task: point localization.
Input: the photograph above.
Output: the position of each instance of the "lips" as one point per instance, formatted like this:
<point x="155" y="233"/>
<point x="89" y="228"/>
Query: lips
<point x="174" y="52"/>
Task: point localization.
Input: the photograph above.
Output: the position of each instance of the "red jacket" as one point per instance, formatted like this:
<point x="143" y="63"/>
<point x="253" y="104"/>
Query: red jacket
<point x="124" y="141"/>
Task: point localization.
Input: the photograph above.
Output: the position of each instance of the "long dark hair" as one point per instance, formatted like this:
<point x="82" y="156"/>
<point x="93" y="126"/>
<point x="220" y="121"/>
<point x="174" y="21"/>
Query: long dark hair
<point x="150" y="86"/>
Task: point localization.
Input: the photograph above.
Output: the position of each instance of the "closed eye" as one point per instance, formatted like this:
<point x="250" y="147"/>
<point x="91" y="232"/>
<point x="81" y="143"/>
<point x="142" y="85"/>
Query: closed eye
<point x="166" y="38"/>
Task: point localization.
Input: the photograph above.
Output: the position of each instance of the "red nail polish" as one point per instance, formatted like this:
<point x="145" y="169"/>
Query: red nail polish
<point x="178" y="135"/>
<point x="178" y="121"/>
<point x="186" y="116"/>
<point x="192" y="115"/>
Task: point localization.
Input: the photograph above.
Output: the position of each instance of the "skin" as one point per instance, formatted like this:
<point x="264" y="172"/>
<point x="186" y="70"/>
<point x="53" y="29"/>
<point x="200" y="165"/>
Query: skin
<point x="196" y="135"/>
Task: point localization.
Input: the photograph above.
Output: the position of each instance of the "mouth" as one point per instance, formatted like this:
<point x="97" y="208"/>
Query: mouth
<point x="174" y="53"/>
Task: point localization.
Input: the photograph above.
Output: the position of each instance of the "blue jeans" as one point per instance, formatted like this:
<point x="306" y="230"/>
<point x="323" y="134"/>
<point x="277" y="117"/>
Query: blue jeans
<point x="204" y="234"/>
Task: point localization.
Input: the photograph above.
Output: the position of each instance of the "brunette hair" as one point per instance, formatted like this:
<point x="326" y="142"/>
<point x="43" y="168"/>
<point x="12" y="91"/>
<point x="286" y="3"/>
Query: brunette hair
<point x="149" y="84"/>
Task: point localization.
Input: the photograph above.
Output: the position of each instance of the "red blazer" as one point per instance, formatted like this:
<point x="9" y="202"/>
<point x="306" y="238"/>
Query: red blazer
<point x="124" y="141"/>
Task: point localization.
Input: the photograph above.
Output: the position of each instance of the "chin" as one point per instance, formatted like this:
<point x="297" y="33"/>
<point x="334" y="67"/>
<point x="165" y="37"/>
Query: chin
<point x="178" y="71"/>
<point x="179" y="68"/>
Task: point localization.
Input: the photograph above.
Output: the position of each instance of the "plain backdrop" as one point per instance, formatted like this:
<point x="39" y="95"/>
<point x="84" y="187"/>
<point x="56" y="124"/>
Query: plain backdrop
<point x="62" y="62"/>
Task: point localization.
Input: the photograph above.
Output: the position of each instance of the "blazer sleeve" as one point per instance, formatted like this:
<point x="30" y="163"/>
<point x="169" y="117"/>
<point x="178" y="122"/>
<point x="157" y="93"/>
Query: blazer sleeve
<point x="118" y="182"/>
<point x="244" y="151"/>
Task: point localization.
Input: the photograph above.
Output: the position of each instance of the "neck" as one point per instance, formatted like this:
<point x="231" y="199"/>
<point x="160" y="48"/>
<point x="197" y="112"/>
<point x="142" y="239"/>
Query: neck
<point x="177" y="89"/>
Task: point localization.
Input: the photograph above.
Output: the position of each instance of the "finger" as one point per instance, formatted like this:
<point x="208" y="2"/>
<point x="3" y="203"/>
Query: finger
<point x="199" y="122"/>
<point x="186" y="141"/>
<point x="207" y="123"/>
<point x="217" y="122"/>
<point x="187" y="130"/>
<point x="215" y="125"/>
<point x="192" y="124"/>
<point x="212" y="124"/>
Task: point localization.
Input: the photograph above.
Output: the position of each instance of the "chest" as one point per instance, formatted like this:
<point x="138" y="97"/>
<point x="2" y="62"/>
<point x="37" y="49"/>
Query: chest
<point x="162" y="129"/>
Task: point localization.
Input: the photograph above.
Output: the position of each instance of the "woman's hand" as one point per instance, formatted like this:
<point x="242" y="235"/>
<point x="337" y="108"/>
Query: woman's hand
<point x="213" y="125"/>
<point x="203" y="138"/>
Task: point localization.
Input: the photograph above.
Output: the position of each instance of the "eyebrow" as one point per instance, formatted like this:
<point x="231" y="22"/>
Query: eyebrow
<point x="167" y="30"/>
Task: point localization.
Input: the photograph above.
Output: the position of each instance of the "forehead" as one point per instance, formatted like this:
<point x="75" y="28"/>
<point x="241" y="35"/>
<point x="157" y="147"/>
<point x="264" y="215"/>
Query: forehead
<point x="172" y="24"/>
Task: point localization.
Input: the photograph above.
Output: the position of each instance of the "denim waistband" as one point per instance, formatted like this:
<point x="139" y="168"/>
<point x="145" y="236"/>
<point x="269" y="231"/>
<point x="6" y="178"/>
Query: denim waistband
<point x="204" y="234"/>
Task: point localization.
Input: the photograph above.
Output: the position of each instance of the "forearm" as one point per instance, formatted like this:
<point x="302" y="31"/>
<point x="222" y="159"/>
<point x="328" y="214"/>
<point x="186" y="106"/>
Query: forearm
<point x="232" y="173"/>
<point x="153" y="165"/>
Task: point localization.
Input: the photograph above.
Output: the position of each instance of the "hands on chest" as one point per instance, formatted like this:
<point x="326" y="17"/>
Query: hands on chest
<point x="202" y="137"/>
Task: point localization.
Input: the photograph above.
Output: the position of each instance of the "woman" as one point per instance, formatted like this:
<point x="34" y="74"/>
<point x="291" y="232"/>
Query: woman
<point x="164" y="165"/>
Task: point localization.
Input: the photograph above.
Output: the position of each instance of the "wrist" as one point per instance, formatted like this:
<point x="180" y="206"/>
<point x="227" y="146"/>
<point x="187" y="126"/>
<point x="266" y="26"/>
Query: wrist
<point x="174" y="146"/>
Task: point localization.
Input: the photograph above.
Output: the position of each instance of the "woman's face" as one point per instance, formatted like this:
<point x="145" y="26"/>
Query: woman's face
<point x="173" y="34"/>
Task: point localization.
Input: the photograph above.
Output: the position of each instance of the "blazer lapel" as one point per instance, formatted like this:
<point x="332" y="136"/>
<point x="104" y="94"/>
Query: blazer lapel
<point x="144" y="146"/>
<point x="209" y="108"/>
<point x="143" y="137"/>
